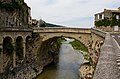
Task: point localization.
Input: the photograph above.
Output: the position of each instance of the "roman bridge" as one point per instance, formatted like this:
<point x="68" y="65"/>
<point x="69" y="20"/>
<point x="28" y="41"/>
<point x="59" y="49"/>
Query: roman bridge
<point x="84" y="35"/>
<point x="102" y="48"/>
<point x="93" y="40"/>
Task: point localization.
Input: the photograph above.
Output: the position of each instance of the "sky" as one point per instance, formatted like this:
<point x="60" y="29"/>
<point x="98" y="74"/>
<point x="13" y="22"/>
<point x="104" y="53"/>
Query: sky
<point x="71" y="13"/>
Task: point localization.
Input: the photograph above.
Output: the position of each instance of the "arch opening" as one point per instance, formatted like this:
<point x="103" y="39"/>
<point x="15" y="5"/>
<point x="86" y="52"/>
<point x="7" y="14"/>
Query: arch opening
<point x="7" y="46"/>
<point x="8" y="49"/>
<point x="58" y="57"/>
<point x="19" y="47"/>
<point x="49" y="43"/>
<point x="28" y="40"/>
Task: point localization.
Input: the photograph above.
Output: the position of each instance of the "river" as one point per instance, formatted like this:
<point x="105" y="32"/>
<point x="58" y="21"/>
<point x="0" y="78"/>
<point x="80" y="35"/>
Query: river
<point x="67" y="66"/>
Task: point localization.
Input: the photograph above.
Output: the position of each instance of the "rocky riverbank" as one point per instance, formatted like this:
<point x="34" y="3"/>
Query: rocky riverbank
<point x="26" y="70"/>
<point x="86" y="70"/>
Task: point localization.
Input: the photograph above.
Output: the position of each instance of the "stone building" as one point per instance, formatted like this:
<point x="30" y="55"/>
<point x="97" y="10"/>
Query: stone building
<point x="14" y="31"/>
<point x="108" y="20"/>
<point x="14" y="13"/>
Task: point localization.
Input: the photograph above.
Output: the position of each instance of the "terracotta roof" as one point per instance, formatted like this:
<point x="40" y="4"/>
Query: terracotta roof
<point x="118" y="11"/>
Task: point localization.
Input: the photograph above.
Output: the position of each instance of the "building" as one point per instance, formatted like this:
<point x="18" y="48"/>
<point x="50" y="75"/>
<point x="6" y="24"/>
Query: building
<point x="14" y="31"/>
<point x="29" y="17"/>
<point x="34" y="22"/>
<point x="108" y="20"/>
<point x="14" y="13"/>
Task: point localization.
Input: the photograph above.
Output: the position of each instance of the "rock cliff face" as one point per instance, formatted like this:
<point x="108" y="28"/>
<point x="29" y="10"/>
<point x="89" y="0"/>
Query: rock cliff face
<point x="14" y="13"/>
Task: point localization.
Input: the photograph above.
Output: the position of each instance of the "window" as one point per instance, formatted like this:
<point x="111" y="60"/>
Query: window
<point x="102" y="16"/>
<point x="116" y="28"/>
<point x="117" y="16"/>
<point x="98" y="16"/>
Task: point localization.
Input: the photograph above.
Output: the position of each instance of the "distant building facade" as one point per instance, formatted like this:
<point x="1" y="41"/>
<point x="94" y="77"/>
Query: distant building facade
<point x="34" y="22"/>
<point x="108" y="20"/>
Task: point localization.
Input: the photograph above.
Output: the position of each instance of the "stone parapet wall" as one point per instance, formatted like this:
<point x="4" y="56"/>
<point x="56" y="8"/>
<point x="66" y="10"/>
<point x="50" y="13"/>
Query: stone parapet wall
<point x="107" y="65"/>
<point x="108" y="29"/>
<point x="99" y="32"/>
<point x="61" y="30"/>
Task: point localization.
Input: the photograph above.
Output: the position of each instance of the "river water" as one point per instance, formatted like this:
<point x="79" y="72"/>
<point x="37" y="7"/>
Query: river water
<point x="67" y="66"/>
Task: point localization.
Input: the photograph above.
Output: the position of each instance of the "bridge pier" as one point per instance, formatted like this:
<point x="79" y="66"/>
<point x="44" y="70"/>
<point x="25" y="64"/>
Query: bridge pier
<point x="24" y="49"/>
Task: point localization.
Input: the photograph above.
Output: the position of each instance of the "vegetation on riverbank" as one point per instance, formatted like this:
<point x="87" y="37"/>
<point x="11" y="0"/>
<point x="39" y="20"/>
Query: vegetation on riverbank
<point x="86" y="69"/>
<point x="79" y="46"/>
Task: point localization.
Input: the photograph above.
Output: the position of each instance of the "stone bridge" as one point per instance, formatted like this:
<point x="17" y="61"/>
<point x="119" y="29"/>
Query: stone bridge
<point x="84" y="35"/>
<point x="93" y="39"/>
<point x="81" y="34"/>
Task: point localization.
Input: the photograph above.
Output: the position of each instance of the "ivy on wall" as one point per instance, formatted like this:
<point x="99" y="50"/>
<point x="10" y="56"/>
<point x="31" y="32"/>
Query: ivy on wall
<point x="10" y="6"/>
<point x="106" y="22"/>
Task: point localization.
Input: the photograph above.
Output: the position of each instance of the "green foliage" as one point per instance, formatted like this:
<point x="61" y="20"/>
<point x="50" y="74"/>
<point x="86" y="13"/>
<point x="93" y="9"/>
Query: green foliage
<point x="107" y="22"/>
<point x="98" y="23"/>
<point x="10" y="6"/>
<point x="104" y="22"/>
<point x="59" y="42"/>
<point x="43" y="25"/>
<point x="79" y="46"/>
<point x="119" y="22"/>
<point x="113" y="21"/>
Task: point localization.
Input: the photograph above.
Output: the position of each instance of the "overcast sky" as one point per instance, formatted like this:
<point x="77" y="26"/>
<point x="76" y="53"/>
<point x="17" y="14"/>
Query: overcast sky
<point x="73" y="13"/>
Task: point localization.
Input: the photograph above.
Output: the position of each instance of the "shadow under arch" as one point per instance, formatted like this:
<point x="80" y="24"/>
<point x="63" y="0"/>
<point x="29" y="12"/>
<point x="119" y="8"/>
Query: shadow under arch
<point x="62" y="36"/>
<point x="7" y="45"/>
<point x="27" y="46"/>
<point x="46" y="46"/>
<point x="8" y="49"/>
<point x="19" y="47"/>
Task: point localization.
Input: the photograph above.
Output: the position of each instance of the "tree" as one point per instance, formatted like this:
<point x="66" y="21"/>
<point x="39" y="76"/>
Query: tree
<point x="42" y="23"/>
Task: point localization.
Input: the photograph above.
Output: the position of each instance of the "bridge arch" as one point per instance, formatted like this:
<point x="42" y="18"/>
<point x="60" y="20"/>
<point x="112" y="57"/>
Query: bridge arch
<point x="83" y="38"/>
<point x="46" y="44"/>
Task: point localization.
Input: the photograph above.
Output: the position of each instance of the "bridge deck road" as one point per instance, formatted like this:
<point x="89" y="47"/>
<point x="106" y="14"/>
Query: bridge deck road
<point x="116" y="37"/>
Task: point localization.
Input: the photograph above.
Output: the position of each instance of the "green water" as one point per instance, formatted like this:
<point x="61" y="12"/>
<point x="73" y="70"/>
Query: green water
<point x="67" y="67"/>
